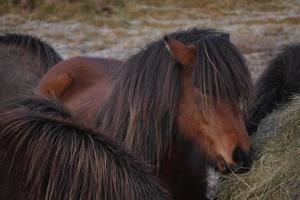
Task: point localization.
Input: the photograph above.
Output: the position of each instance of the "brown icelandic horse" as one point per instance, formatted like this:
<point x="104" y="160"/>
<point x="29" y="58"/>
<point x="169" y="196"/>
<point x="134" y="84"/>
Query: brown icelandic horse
<point x="45" y="154"/>
<point x="178" y="103"/>
<point x="24" y="59"/>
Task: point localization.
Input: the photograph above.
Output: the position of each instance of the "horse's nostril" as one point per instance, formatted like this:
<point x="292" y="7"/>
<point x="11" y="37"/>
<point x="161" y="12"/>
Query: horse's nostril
<point x="240" y="157"/>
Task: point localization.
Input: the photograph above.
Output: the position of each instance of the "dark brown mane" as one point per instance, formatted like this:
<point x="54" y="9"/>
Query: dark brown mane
<point x="51" y="157"/>
<point x="142" y="108"/>
<point x="220" y="71"/>
<point x="276" y="85"/>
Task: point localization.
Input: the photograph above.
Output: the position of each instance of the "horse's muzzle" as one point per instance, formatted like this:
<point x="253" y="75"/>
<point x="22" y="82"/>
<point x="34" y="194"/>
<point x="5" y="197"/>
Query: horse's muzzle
<point x="242" y="161"/>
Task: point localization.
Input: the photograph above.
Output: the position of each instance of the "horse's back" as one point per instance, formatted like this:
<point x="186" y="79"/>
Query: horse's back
<point x="81" y="83"/>
<point x="47" y="154"/>
<point x="23" y="61"/>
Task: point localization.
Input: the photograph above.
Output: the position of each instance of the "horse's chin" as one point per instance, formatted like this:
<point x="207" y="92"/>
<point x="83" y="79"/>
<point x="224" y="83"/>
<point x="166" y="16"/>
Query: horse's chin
<point x="223" y="167"/>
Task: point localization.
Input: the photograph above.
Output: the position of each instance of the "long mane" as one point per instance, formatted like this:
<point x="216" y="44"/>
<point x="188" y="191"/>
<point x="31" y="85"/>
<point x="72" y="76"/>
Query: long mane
<point x="45" y="154"/>
<point x="142" y="108"/>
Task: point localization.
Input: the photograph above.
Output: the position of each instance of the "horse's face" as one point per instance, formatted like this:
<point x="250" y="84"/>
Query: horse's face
<point x="220" y="132"/>
<point x="219" y="129"/>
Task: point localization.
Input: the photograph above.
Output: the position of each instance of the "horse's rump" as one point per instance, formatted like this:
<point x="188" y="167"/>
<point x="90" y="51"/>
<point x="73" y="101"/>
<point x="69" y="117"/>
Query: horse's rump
<point x="23" y="61"/>
<point x="82" y="83"/>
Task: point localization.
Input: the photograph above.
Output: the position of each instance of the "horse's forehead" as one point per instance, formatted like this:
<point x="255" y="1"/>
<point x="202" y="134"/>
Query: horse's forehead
<point x="213" y="105"/>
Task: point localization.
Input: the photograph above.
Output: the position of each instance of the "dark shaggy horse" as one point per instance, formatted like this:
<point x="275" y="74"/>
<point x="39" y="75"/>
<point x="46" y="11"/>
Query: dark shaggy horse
<point x="176" y="103"/>
<point x="45" y="155"/>
<point x="23" y="61"/>
<point x="276" y="85"/>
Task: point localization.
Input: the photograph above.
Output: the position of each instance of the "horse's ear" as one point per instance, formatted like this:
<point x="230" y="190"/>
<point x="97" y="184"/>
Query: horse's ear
<point x="184" y="54"/>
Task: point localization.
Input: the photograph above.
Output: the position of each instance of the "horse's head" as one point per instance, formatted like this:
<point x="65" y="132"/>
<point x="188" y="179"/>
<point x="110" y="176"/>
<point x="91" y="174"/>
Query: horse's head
<point x="209" y="111"/>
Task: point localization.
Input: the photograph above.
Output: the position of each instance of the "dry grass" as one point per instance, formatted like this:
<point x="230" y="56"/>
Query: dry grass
<point x="287" y="20"/>
<point x="118" y="12"/>
<point x="276" y="172"/>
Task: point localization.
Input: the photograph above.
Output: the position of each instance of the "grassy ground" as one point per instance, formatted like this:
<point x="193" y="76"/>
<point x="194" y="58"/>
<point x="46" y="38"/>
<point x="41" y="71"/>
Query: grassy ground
<point x="276" y="171"/>
<point x="118" y="29"/>
<point x="117" y="12"/>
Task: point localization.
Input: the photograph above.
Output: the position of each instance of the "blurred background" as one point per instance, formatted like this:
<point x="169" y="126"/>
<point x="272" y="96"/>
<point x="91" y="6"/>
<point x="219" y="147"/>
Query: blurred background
<point x="118" y="28"/>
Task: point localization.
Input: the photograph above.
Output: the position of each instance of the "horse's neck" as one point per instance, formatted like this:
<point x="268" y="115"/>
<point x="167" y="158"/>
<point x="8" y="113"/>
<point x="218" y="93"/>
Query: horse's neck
<point x="185" y="173"/>
<point x="12" y="181"/>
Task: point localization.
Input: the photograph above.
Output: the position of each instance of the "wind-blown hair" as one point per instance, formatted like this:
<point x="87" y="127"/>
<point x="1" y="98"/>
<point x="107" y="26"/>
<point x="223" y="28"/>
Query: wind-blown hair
<point x="220" y="71"/>
<point x="23" y="61"/>
<point x="142" y="108"/>
<point x="276" y="85"/>
<point x="50" y="157"/>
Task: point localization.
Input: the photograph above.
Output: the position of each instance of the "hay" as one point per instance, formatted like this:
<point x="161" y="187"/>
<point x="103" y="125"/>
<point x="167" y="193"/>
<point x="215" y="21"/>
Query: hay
<point x="276" y="170"/>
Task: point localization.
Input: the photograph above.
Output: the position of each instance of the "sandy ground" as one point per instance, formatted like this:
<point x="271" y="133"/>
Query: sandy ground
<point x="259" y="34"/>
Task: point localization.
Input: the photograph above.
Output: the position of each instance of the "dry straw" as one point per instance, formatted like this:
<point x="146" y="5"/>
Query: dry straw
<point x="276" y="170"/>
